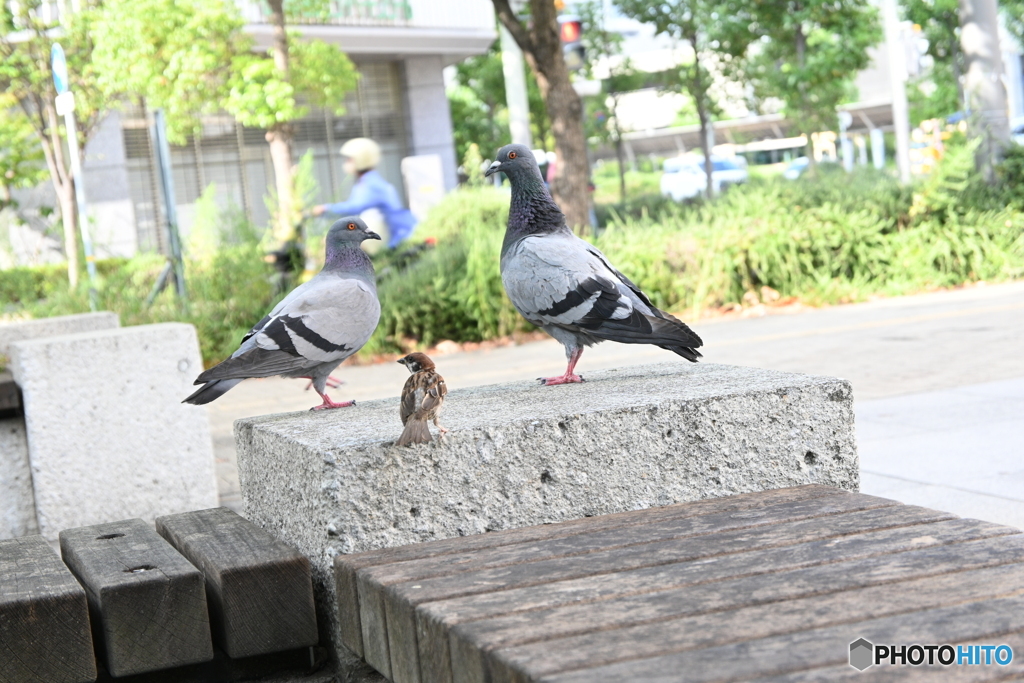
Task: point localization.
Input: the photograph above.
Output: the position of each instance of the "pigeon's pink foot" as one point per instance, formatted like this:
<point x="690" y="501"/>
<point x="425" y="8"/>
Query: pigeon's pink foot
<point x="328" y="404"/>
<point x="567" y="378"/>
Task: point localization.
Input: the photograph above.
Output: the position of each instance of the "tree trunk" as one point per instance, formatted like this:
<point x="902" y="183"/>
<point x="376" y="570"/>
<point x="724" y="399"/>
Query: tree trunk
<point x="280" y="136"/>
<point x="542" y="48"/>
<point x="63" y="185"/>
<point x="801" y="61"/>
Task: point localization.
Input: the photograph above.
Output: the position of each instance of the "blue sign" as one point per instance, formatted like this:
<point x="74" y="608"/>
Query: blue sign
<point x="60" y="68"/>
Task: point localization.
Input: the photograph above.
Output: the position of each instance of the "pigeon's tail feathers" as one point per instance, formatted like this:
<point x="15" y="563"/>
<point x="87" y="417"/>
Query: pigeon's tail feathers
<point x="685" y="351"/>
<point x="256" y="363"/>
<point x="211" y="391"/>
<point x="669" y="333"/>
<point x="416" y="431"/>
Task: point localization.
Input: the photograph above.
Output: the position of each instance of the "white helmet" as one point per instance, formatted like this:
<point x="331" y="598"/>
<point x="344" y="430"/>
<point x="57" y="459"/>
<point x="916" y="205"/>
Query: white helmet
<point x="364" y="153"/>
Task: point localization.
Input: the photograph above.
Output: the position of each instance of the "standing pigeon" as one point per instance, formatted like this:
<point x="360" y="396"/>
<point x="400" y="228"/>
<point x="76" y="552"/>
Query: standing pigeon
<point x="565" y="285"/>
<point x="321" y="323"/>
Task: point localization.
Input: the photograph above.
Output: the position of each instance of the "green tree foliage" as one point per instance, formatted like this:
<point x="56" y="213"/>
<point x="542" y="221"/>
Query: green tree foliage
<point x="937" y="93"/>
<point x="172" y="53"/>
<point x="192" y="57"/>
<point x="809" y="53"/>
<point x="26" y="36"/>
<point x="478" y="103"/>
<point x="21" y="158"/>
<point x="719" y="33"/>
<point x="605" y="47"/>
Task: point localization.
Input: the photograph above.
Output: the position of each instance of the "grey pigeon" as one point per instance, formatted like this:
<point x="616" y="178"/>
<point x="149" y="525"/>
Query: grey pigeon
<point x="565" y="285"/>
<point x="317" y="326"/>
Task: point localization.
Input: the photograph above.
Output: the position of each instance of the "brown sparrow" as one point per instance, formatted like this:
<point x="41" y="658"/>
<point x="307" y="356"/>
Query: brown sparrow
<point x="422" y="399"/>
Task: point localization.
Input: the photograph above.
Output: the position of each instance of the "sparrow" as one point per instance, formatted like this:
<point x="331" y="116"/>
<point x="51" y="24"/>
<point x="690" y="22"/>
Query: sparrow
<point x="566" y="286"/>
<point x="422" y="400"/>
<point x="317" y="326"/>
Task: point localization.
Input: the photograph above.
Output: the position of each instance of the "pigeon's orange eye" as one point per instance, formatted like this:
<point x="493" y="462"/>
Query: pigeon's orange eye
<point x="351" y="226"/>
<point x="512" y="155"/>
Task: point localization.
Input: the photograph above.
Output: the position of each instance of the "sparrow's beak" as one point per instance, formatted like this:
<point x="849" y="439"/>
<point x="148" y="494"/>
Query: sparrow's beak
<point x="401" y="360"/>
<point x="492" y="169"/>
<point x="372" y="235"/>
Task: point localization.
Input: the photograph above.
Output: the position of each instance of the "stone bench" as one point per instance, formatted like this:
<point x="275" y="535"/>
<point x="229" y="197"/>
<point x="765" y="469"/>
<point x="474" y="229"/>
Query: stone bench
<point x="104" y="435"/>
<point x="520" y="454"/>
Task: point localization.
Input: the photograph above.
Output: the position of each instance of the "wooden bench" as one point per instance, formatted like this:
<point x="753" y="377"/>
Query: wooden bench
<point x="775" y="584"/>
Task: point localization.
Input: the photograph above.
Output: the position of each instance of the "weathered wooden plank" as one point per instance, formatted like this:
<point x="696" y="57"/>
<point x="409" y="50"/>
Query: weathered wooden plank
<point x="258" y="588"/>
<point x="1014" y="671"/>
<point x="347" y="565"/>
<point x="732" y="582"/>
<point x="738" y="533"/>
<point x="599" y="648"/>
<point x="815" y="648"/>
<point x="146" y="602"/>
<point x="531" y="563"/>
<point x="44" y="617"/>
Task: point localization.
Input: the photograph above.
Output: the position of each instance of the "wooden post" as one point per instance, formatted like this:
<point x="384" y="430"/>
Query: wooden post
<point x="147" y="603"/>
<point x="258" y="588"/>
<point x="44" y="617"/>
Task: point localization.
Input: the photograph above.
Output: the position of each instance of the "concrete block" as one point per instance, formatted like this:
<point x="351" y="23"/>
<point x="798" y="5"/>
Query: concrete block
<point x="21" y="330"/>
<point x="521" y="454"/>
<point x="108" y="436"/>
<point x="17" y="501"/>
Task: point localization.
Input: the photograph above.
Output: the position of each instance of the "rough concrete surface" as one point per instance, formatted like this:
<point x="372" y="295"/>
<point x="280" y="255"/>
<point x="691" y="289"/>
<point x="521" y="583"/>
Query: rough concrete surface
<point x="521" y="454"/>
<point x="17" y="502"/>
<point x="21" y="330"/>
<point x="108" y="436"/>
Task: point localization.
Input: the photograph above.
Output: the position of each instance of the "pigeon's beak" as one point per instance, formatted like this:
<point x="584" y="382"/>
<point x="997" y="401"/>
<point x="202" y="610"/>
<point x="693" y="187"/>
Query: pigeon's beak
<point x="492" y="169"/>
<point x="370" y="234"/>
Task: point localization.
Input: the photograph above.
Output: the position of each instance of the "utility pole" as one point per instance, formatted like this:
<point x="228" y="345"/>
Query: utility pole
<point x="175" y="266"/>
<point x="515" y="86"/>
<point x="983" y="82"/>
<point x="898" y="82"/>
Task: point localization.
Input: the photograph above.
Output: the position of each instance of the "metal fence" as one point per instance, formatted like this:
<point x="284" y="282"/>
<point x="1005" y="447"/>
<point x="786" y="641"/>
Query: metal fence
<point x="236" y="159"/>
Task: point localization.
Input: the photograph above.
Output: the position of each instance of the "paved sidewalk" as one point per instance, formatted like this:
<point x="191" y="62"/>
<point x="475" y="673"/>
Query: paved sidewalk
<point x="909" y="347"/>
<point x="960" y="450"/>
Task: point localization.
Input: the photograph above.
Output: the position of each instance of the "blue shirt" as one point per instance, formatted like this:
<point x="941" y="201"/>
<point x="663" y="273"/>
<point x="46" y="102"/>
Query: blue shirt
<point x="371" y="191"/>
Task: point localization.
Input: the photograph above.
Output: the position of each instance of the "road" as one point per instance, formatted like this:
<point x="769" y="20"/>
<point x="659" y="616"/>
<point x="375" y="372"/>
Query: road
<point x="938" y="382"/>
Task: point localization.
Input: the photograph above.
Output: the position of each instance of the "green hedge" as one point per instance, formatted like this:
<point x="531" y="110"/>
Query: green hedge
<point x="827" y="239"/>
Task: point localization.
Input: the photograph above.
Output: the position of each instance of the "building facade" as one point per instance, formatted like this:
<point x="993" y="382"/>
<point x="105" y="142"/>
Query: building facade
<point x="400" y="48"/>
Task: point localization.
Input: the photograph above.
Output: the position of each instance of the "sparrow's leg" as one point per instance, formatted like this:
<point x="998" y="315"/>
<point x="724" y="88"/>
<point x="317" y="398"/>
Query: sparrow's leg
<point x="437" y="423"/>
<point x="332" y="381"/>
<point x="328" y="403"/>
<point x="569" y="377"/>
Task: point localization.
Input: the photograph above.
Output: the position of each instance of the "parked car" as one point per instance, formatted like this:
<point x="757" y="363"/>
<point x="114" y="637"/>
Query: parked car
<point x="685" y="177"/>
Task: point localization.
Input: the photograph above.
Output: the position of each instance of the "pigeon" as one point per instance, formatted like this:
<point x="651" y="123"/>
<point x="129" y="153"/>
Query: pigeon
<point x="422" y="400"/>
<point x="565" y="285"/>
<point x="317" y="326"/>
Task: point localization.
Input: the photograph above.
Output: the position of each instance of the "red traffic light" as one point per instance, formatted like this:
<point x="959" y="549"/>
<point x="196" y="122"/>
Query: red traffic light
<point x="571" y="31"/>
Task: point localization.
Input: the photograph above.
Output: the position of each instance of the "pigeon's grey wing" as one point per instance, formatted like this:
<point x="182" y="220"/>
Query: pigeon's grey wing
<point x="558" y="280"/>
<point x="639" y="295"/>
<point x="283" y="304"/>
<point x="551" y="280"/>
<point x="328" y="321"/>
